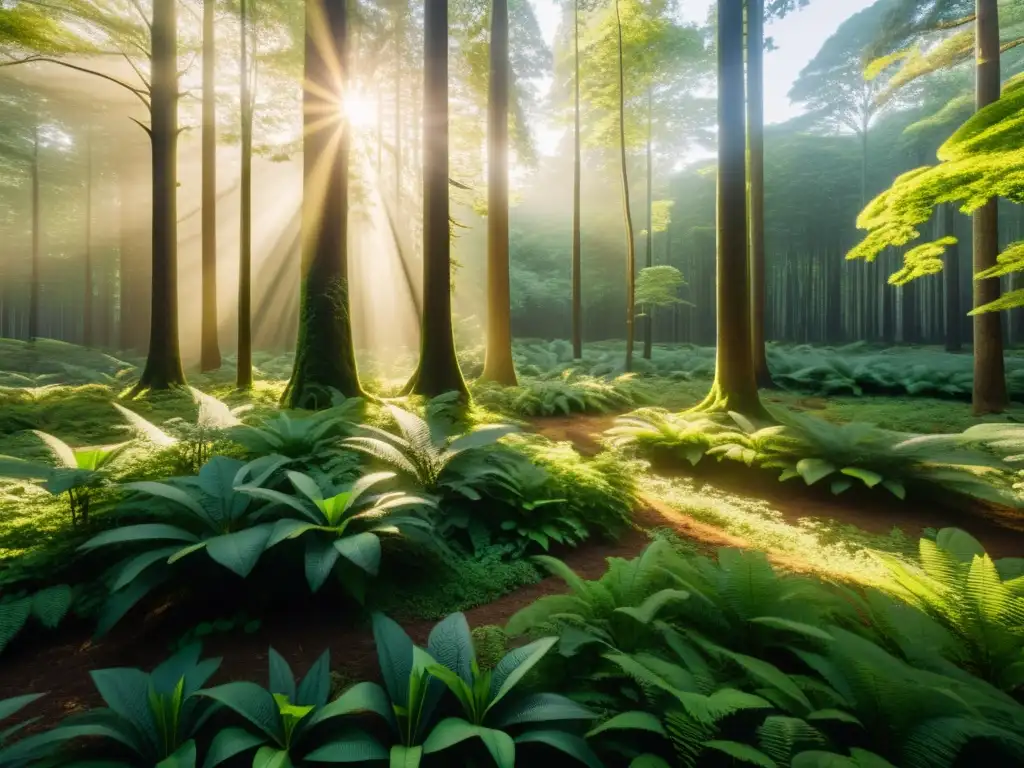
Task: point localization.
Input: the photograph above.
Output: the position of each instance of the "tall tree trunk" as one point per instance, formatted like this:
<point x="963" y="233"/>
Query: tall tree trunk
<point x="498" y="365"/>
<point x="324" y="354"/>
<point x="33" y="290"/>
<point x="163" y="361"/>
<point x="755" y="155"/>
<point x="87" y="327"/>
<point x="400" y="12"/>
<point x="243" y="374"/>
<point x="438" y="370"/>
<point x="951" y="273"/>
<point x="735" y="385"/>
<point x="649" y="256"/>
<point x="989" y="371"/>
<point x="627" y="214"/>
<point x="577" y="284"/>
<point x="209" y="345"/>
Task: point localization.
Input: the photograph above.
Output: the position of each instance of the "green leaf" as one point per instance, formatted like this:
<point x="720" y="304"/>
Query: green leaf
<point x="253" y="703"/>
<point x="315" y="687"/>
<point x="742" y="752"/>
<point x="648" y="610"/>
<point x="454" y="730"/>
<point x="12" y="706"/>
<point x="395" y="655"/>
<point x="142" y="532"/>
<point x="539" y="708"/>
<point x="451" y="644"/>
<point x="649" y="761"/>
<point x="126" y="692"/>
<point x="352" y="746"/>
<point x="895" y="488"/>
<point x="228" y="743"/>
<point x="360" y="698"/>
<point x="305" y="485"/>
<point x="362" y="550"/>
<point x="568" y="743"/>
<point x="960" y="544"/>
<point x="240" y="551"/>
<point x="320" y="560"/>
<point x="122" y="601"/>
<point x="840" y="486"/>
<point x="788" y="625"/>
<point x="281" y="678"/>
<point x="813" y="470"/>
<point x="13" y="615"/>
<point x="631" y="721"/>
<point x="136" y="565"/>
<point x="183" y="757"/>
<point x="50" y="605"/>
<point x="405" y="757"/>
<point x="169" y="492"/>
<point x="833" y="714"/>
<point x="866" y="476"/>
<point x="272" y="757"/>
<point x="514" y="666"/>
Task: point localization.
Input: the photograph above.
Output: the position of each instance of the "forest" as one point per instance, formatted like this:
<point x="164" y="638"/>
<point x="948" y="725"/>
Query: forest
<point x="621" y="383"/>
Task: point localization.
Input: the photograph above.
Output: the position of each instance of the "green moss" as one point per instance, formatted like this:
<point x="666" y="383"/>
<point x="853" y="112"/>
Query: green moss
<point x="490" y="643"/>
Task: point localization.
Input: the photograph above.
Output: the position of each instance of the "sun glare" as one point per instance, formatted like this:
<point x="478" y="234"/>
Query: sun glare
<point x="360" y="109"/>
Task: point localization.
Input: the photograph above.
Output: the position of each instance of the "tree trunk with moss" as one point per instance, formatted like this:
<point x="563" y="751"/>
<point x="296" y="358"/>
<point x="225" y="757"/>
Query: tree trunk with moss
<point x="755" y="148"/>
<point x="498" y="365"/>
<point x="735" y="385"/>
<point x="163" y="362"/>
<point x="649" y="256"/>
<point x="627" y="214"/>
<point x="438" y="370"/>
<point x="324" y="354"/>
<point x="87" y="286"/>
<point x="209" y="344"/>
<point x="989" y="394"/>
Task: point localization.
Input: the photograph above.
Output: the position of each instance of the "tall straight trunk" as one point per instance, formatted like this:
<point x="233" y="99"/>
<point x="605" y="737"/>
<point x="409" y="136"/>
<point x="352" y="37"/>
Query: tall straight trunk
<point x="627" y="214"/>
<point x="649" y="256"/>
<point x="951" y="273"/>
<point x="438" y="370"/>
<point x="498" y="365"/>
<point x="888" y="304"/>
<point x="33" y="290"/>
<point x="324" y="354"/>
<point x="243" y="375"/>
<point x="87" y="287"/>
<point x="399" y="39"/>
<point x="163" y="361"/>
<point x="735" y="385"/>
<point x="989" y="370"/>
<point x="755" y="159"/>
<point x="209" y="345"/>
<point x="577" y="284"/>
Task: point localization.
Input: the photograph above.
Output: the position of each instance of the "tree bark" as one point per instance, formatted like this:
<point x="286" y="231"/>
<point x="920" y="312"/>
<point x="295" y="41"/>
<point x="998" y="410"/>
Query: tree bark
<point x="209" y="345"/>
<point x="243" y="373"/>
<point x="163" y="361"/>
<point x="627" y="214"/>
<point x="649" y="256"/>
<point x="498" y="365"/>
<point x="989" y="394"/>
<point x="324" y="354"/>
<point x="87" y="286"/>
<point x="755" y="146"/>
<point x="33" y="291"/>
<point x="735" y="385"/>
<point x="577" y="284"/>
<point x="438" y="370"/>
<point x="951" y="273"/>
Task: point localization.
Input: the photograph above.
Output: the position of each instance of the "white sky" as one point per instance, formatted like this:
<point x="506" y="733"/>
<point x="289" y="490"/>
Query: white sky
<point x="798" y="38"/>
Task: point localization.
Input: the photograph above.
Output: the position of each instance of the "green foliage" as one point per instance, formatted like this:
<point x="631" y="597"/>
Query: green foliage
<point x="302" y="437"/>
<point x="817" y="450"/>
<point x="207" y="513"/>
<point x="437" y="462"/>
<point x="47" y="607"/>
<point x="154" y="716"/>
<point x="221" y="626"/>
<point x="77" y="472"/>
<point x="977" y="603"/>
<point x="658" y="286"/>
<point x="565" y="393"/>
<point x="339" y="523"/>
<point x="9" y="708"/>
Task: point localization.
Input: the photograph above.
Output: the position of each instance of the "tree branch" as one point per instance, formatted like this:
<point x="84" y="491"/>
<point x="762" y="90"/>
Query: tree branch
<point x="142" y="14"/>
<point x="146" y="128"/>
<point x="138" y="71"/>
<point x="139" y="92"/>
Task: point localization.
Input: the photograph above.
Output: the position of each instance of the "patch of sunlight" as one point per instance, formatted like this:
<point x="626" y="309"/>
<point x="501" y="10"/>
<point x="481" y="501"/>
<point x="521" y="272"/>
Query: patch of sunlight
<point x="829" y="549"/>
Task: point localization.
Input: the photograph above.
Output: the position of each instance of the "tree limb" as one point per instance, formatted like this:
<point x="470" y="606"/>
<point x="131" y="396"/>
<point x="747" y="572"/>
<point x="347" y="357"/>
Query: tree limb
<point x="139" y="93"/>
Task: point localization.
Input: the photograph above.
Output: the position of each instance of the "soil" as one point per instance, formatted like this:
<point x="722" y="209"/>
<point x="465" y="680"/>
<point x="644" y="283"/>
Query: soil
<point x="62" y="668"/>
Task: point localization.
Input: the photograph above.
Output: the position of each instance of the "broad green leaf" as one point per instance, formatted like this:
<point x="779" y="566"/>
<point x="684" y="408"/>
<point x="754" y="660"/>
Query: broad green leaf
<point x="315" y="687"/>
<point x="514" y="666"/>
<point x="742" y="752"/>
<point x="305" y="485"/>
<point x="454" y="730"/>
<point x="539" y="708"/>
<point x="405" y="757"/>
<point x="122" y="601"/>
<point x="866" y="476"/>
<point x="362" y="550"/>
<point x="272" y="757"/>
<point x="351" y="746"/>
<point x="136" y="565"/>
<point x="183" y="757"/>
<point x="61" y="451"/>
<point x="321" y="557"/>
<point x="9" y="707"/>
<point x="395" y="655"/>
<point x="281" y="678"/>
<point x="630" y="721"/>
<point x="451" y="644"/>
<point x="960" y="544"/>
<point x="240" y="551"/>
<point x="230" y="742"/>
<point x="169" y="492"/>
<point x="648" y="610"/>
<point x="141" y="532"/>
<point x="788" y="625"/>
<point x="813" y="470"/>
<point x="567" y="743"/>
<point x="50" y="605"/>
<point x="253" y="703"/>
<point x="896" y="488"/>
<point x="360" y="698"/>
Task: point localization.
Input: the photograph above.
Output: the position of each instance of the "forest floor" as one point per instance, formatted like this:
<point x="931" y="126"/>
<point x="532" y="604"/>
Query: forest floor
<point x="797" y="531"/>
